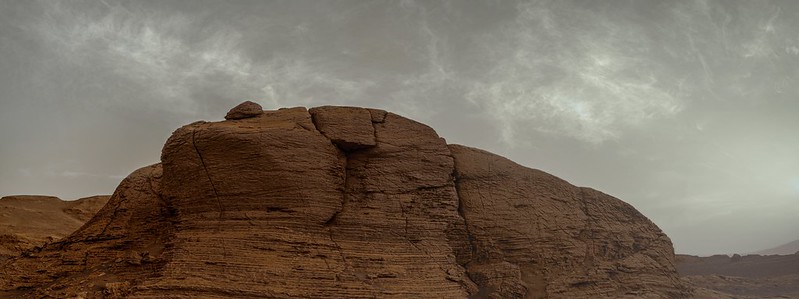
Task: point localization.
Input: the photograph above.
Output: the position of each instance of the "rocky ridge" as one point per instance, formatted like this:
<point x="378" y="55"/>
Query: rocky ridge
<point x="345" y="202"/>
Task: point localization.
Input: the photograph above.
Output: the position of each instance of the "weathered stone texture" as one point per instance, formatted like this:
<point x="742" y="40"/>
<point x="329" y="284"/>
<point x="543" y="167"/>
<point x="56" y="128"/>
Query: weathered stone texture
<point x="554" y="239"/>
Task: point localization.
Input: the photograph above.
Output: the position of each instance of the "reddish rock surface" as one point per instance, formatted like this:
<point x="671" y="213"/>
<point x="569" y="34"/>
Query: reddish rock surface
<point x="355" y="133"/>
<point x="341" y="202"/>
<point x="535" y="235"/>
<point x="244" y="110"/>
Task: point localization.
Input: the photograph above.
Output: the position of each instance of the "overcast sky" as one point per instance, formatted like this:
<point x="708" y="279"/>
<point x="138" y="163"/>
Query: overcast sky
<point x="685" y="109"/>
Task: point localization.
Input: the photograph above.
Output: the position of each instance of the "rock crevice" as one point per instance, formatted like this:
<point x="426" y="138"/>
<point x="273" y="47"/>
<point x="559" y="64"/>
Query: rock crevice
<point x="207" y="173"/>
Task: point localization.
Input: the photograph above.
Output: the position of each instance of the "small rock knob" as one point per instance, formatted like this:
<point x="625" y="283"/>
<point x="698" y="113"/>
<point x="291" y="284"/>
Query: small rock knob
<point x="245" y="110"/>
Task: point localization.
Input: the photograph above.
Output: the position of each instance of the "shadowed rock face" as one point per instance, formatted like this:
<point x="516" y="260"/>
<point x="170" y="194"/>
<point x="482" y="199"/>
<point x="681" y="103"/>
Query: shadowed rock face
<point x="340" y="202"/>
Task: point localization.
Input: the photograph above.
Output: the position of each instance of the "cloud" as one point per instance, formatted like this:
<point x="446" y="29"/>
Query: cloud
<point x="579" y="81"/>
<point x="182" y="62"/>
<point x="417" y="93"/>
<point x="292" y="82"/>
<point x="143" y="47"/>
<point x="77" y="174"/>
<point x="72" y="174"/>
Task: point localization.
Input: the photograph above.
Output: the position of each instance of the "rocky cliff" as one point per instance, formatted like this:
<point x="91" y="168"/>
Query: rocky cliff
<point x="341" y="202"/>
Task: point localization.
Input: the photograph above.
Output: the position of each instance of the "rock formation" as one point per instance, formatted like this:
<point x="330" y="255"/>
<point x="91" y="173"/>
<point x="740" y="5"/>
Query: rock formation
<point x="538" y="235"/>
<point x="342" y="202"/>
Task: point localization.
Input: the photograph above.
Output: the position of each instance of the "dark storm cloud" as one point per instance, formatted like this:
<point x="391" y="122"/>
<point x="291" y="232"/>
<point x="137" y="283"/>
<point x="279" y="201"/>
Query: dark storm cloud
<point x="683" y="108"/>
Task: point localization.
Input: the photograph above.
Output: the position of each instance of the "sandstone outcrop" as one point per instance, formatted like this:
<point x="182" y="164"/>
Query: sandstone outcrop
<point x="343" y="202"/>
<point x="536" y="235"/>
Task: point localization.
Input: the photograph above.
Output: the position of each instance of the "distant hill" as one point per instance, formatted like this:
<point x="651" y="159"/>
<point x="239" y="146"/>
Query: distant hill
<point x="31" y="220"/>
<point x="789" y="248"/>
<point x="749" y="276"/>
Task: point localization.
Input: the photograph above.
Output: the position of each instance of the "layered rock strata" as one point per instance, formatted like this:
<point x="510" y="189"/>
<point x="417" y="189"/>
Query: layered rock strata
<point x="344" y="202"/>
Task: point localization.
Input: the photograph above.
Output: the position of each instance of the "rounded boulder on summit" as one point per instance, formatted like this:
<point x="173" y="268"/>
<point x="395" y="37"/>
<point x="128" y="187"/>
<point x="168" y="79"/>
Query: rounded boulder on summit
<point x="346" y="202"/>
<point x="246" y="109"/>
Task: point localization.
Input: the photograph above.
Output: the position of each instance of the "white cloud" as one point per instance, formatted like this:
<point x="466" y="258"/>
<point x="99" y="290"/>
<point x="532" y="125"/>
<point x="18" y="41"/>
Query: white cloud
<point x="584" y="83"/>
<point x="292" y="82"/>
<point x="76" y="174"/>
<point x="152" y="50"/>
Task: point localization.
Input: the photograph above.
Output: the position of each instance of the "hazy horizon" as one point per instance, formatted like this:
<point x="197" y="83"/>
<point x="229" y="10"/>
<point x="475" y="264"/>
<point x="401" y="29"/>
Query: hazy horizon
<point x="684" y="109"/>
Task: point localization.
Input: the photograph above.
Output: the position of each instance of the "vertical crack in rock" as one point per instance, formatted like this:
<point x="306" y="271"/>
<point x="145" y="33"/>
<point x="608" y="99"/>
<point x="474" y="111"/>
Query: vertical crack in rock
<point x="333" y="218"/>
<point x="316" y="125"/>
<point x="330" y="223"/>
<point x="213" y="187"/>
<point x="407" y="234"/>
<point x="152" y="189"/>
<point x="374" y="126"/>
<point x="207" y="174"/>
<point x="470" y="240"/>
<point x="488" y="269"/>
<point x="469" y="237"/>
<point x="378" y="116"/>
<point x="122" y="199"/>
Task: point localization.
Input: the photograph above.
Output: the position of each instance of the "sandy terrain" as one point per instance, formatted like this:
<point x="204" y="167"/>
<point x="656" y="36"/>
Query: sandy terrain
<point x="31" y="220"/>
<point x="750" y="276"/>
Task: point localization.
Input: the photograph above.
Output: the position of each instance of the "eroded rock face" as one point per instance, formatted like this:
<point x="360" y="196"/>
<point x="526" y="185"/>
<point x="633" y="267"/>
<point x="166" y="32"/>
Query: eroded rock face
<point x="342" y="202"/>
<point x="535" y="235"/>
